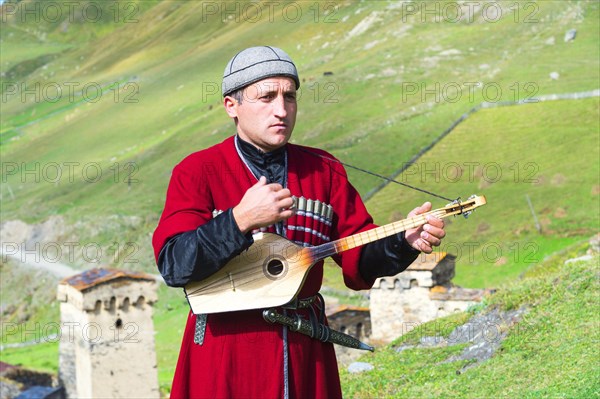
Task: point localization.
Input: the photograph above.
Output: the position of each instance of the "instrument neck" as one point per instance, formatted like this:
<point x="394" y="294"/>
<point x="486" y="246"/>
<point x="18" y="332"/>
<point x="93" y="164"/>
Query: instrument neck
<point x="356" y="240"/>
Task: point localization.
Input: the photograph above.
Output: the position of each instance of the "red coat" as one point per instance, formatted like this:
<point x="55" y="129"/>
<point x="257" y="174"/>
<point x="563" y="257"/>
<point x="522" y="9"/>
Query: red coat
<point x="242" y="355"/>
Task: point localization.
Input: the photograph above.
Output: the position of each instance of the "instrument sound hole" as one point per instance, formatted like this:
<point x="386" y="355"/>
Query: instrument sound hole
<point x="275" y="267"/>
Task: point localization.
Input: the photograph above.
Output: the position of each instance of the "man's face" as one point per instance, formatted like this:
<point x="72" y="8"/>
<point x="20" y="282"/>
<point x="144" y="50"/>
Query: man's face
<point x="267" y="113"/>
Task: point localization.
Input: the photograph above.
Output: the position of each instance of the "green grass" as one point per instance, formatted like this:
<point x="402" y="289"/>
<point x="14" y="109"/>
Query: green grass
<point x="30" y="315"/>
<point x="363" y="113"/>
<point x="371" y="115"/>
<point x="170" y="315"/>
<point x="41" y="357"/>
<point x="551" y="352"/>
<point x="543" y="151"/>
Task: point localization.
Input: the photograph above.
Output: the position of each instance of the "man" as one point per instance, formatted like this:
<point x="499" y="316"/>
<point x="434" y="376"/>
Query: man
<point x="257" y="181"/>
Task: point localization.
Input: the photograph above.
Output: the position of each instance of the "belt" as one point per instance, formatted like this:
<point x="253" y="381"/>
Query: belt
<point x="201" y="319"/>
<point x="313" y="327"/>
<point x="304" y="303"/>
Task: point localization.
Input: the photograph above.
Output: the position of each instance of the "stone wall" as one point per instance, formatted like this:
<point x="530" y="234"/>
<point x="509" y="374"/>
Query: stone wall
<point x="107" y="346"/>
<point x="354" y="321"/>
<point x="423" y="292"/>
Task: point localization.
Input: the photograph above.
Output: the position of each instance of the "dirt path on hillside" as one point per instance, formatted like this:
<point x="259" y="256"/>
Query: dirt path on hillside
<point x="35" y="246"/>
<point x="36" y="260"/>
<point x="45" y="246"/>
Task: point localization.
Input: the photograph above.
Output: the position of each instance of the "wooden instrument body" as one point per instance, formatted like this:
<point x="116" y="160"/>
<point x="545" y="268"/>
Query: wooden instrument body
<point x="269" y="273"/>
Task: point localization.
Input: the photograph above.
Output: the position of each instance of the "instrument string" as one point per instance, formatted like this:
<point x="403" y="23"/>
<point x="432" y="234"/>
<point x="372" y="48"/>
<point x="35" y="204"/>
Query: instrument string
<point x="378" y="175"/>
<point x="244" y="275"/>
<point x="249" y="273"/>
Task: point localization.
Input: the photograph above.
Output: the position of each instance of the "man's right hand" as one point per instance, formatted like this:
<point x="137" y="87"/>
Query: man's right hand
<point x="263" y="205"/>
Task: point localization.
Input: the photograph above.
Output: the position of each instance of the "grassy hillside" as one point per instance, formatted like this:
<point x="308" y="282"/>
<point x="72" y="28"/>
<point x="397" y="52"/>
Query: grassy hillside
<point x="30" y="315"/>
<point x="160" y="73"/>
<point x="545" y="151"/>
<point x="556" y="337"/>
<point x="93" y="133"/>
<point x="551" y="352"/>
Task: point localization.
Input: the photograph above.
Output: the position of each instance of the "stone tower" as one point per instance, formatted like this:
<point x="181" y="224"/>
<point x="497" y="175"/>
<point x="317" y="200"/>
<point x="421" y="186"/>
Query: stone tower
<point x="107" y="342"/>
<point x="421" y="293"/>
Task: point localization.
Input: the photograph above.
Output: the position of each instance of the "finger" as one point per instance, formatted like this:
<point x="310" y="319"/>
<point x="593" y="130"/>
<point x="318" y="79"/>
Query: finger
<point x="286" y="214"/>
<point x="424" y="246"/>
<point x="427" y="249"/>
<point x="415" y="212"/>
<point x="261" y="181"/>
<point x="430" y="240"/>
<point x="423" y="208"/>
<point x="437" y="222"/>
<point x="426" y="207"/>
<point x="285" y="203"/>
<point x="434" y="231"/>
<point x="284" y="193"/>
<point x="275" y="187"/>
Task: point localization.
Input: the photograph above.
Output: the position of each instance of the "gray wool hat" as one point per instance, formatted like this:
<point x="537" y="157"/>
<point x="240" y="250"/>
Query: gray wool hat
<point x="257" y="63"/>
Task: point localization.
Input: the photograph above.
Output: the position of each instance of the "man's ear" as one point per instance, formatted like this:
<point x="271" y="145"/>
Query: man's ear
<point x="230" y="105"/>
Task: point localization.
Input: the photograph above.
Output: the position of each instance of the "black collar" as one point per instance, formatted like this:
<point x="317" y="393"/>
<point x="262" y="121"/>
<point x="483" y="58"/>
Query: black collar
<point x="260" y="158"/>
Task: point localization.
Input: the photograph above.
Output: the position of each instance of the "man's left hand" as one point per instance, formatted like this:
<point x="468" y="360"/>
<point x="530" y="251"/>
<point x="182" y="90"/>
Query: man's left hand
<point x="427" y="236"/>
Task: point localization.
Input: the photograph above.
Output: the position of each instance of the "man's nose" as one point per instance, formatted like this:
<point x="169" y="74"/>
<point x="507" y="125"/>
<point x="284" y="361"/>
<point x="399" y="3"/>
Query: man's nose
<point x="279" y="109"/>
